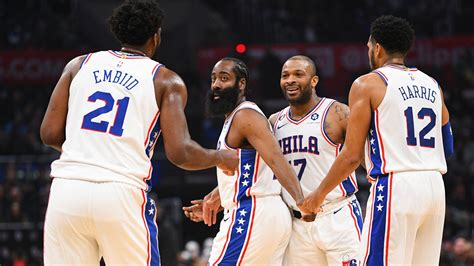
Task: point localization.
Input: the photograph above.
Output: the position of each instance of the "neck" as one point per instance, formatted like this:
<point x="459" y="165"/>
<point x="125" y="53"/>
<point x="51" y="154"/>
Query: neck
<point x="299" y="111"/>
<point x="241" y="100"/>
<point x="395" y="61"/>
<point x="133" y="50"/>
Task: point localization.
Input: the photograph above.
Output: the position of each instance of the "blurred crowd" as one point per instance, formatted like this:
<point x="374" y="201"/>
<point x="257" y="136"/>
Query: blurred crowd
<point x="24" y="161"/>
<point x="260" y="21"/>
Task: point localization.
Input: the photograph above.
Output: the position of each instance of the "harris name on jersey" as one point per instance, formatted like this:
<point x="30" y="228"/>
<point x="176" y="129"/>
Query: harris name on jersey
<point x="115" y="76"/>
<point x="421" y="92"/>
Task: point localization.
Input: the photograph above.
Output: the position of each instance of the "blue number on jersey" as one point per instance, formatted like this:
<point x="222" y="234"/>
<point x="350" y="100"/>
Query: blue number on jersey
<point x="297" y="162"/>
<point x="116" y="129"/>
<point x="411" y="139"/>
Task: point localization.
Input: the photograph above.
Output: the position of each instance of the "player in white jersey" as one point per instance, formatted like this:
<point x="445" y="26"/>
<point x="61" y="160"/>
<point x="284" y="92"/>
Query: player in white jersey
<point x="105" y="115"/>
<point x="398" y="117"/>
<point x="311" y="132"/>
<point x="256" y="226"/>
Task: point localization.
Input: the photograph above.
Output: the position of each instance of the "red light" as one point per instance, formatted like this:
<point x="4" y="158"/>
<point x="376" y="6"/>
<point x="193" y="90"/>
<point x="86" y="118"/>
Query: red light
<point x="240" y="48"/>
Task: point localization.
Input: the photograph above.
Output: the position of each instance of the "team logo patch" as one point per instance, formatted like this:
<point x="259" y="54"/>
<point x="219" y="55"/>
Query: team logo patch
<point x="346" y="261"/>
<point x="119" y="64"/>
<point x="314" y="116"/>
<point x="281" y="117"/>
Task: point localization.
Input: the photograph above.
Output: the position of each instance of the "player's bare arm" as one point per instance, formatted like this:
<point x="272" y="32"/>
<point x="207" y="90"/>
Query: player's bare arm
<point x="365" y="95"/>
<point x="272" y="119"/>
<point x="335" y="124"/>
<point x="252" y="128"/>
<point x="52" y="131"/>
<point x="180" y="149"/>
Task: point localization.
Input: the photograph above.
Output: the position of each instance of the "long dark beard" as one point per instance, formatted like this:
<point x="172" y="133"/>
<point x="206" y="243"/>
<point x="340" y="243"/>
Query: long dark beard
<point x="225" y="104"/>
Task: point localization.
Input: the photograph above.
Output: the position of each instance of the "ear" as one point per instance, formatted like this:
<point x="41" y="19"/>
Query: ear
<point x="157" y="37"/>
<point x="242" y="84"/>
<point x="314" y="81"/>
<point x="378" y="50"/>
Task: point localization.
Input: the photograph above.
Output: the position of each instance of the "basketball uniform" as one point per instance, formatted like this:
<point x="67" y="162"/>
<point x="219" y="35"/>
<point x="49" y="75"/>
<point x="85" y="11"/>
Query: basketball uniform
<point x="256" y="226"/>
<point x="99" y="205"/>
<point x="334" y="237"/>
<point x="405" y="162"/>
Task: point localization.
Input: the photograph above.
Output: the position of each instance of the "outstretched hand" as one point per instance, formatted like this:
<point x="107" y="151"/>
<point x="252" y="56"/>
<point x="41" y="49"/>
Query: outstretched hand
<point x="210" y="207"/>
<point x="194" y="212"/>
<point x="229" y="161"/>
<point x="204" y="209"/>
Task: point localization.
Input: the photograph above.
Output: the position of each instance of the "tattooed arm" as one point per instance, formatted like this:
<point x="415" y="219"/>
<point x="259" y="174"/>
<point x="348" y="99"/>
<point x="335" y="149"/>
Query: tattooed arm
<point x="335" y="124"/>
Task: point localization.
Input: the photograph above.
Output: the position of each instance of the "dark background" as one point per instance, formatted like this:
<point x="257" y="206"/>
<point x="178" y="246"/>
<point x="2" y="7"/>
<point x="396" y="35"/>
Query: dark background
<point x="38" y="37"/>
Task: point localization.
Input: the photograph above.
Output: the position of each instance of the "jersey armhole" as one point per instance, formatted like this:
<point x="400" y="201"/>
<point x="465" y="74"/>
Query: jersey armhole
<point x="382" y="76"/>
<point x="230" y="126"/>
<point x="85" y="60"/>
<point x="323" y="129"/>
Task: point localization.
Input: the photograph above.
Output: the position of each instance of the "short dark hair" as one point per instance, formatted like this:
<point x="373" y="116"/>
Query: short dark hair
<point x="393" y="33"/>
<point x="135" y="21"/>
<point x="307" y="59"/>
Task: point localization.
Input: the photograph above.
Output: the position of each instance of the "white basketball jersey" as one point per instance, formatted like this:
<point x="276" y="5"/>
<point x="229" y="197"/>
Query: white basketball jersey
<point x="253" y="178"/>
<point x="112" y="122"/>
<point x="405" y="130"/>
<point x="310" y="151"/>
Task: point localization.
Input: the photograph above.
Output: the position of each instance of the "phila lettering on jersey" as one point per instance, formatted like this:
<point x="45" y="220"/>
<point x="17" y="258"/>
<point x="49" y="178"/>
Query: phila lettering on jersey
<point x="310" y="151"/>
<point x="253" y="178"/>
<point x="412" y="99"/>
<point x="112" y="121"/>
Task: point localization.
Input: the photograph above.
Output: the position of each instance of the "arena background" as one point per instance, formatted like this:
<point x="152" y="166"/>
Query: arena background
<point x="38" y="37"/>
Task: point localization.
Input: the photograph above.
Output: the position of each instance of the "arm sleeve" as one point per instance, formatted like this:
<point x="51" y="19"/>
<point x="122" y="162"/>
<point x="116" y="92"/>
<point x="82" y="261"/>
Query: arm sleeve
<point x="448" y="140"/>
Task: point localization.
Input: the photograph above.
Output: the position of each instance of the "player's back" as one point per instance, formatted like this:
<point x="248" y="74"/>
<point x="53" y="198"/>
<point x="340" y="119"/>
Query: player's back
<point x="405" y="131"/>
<point x="112" y="122"/>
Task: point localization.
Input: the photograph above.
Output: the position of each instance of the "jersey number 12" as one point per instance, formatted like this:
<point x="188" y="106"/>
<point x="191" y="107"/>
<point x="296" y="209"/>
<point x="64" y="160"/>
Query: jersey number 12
<point x="411" y="139"/>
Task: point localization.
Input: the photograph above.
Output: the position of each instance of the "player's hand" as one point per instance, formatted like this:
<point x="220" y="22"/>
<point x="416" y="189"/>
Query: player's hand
<point x="210" y="207"/>
<point x="194" y="212"/>
<point x="312" y="203"/>
<point x="228" y="161"/>
<point x="306" y="214"/>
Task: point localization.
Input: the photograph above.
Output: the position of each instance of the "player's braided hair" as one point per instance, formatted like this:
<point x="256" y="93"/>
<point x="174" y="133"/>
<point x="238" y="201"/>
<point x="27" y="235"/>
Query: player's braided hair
<point x="393" y="33"/>
<point x="135" y="21"/>
<point x="241" y="71"/>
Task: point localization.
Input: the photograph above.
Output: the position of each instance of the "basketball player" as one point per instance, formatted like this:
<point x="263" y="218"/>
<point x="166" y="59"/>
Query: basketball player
<point x="256" y="226"/>
<point x="311" y="132"/>
<point x="105" y="115"/>
<point x="399" y="114"/>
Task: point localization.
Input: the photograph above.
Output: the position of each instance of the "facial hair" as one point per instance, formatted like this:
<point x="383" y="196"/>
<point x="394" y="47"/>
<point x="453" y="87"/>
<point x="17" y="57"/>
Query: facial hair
<point x="372" y="60"/>
<point x="225" y="103"/>
<point x="305" y="96"/>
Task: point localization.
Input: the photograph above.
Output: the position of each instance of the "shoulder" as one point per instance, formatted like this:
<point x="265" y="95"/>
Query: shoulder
<point x="340" y="110"/>
<point x="73" y="66"/>
<point x="167" y="77"/>
<point x="273" y="118"/>
<point x="166" y="80"/>
<point x="368" y="81"/>
<point x="248" y="114"/>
